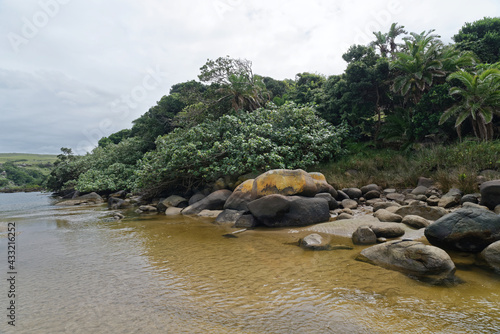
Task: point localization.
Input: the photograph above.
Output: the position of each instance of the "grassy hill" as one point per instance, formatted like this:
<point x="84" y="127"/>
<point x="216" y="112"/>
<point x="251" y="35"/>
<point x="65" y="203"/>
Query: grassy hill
<point x="28" y="159"/>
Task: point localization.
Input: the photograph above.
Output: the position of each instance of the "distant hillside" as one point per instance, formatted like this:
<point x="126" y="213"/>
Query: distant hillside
<point x="24" y="171"/>
<point x="27" y="158"/>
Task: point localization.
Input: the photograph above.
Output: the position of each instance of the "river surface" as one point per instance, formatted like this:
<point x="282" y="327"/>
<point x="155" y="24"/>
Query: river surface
<point x="78" y="271"/>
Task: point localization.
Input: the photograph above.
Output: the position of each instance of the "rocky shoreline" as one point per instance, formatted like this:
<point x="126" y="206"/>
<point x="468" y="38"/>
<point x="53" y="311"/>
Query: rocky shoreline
<point x="411" y="231"/>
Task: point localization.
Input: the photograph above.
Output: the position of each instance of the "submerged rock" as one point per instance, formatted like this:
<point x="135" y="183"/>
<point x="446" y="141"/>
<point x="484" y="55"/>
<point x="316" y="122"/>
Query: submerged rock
<point x="314" y="242"/>
<point x="468" y="229"/>
<point x="364" y="235"/>
<point x="412" y="258"/>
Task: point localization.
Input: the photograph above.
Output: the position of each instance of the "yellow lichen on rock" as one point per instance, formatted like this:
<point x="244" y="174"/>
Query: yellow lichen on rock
<point x="284" y="182"/>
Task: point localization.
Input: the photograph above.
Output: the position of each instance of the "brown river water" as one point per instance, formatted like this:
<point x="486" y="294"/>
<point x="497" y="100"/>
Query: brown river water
<point x="78" y="271"/>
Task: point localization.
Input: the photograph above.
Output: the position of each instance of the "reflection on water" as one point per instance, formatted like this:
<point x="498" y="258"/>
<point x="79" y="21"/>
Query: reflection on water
<point x="81" y="273"/>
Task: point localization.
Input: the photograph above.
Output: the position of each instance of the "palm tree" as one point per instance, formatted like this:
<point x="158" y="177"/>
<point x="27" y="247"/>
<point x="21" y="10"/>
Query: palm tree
<point x="381" y="43"/>
<point x="479" y="100"/>
<point x="393" y="33"/>
<point x="417" y="66"/>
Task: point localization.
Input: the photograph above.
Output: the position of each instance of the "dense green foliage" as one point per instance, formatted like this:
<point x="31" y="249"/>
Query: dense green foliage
<point x="401" y="91"/>
<point x="21" y="177"/>
<point x="288" y="136"/>
<point x="481" y="37"/>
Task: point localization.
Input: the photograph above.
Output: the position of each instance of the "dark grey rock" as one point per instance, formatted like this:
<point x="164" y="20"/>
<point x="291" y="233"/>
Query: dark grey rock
<point x="214" y="201"/>
<point x="366" y="189"/>
<point x="372" y="194"/>
<point x="490" y="193"/>
<point x="196" y="198"/>
<point x="229" y="216"/>
<point x="332" y="202"/>
<point x="341" y="196"/>
<point x="246" y="221"/>
<point x="470" y="198"/>
<point x="282" y="211"/>
<point x="468" y="229"/>
<point x="353" y="193"/>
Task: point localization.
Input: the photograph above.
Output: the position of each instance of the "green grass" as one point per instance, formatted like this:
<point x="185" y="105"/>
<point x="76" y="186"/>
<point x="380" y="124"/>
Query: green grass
<point x="26" y="158"/>
<point x="459" y="165"/>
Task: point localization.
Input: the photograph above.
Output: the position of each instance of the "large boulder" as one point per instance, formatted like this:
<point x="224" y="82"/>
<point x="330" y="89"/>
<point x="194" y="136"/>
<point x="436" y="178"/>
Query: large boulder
<point x="214" y="201"/>
<point x="321" y="185"/>
<point x="427" y="212"/>
<point x="282" y="211"/>
<point x="491" y="255"/>
<point x="412" y="258"/>
<point x="241" y="196"/>
<point x="284" y="182"/>
<point x="468" y="229"/>
<point x="490" y="193"/>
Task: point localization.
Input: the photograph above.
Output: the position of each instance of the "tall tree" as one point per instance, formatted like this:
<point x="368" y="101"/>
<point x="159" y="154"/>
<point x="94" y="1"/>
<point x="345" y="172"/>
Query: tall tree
<point x="417" y="66"/>
<point x="393" y="33"/>
<point x="236" y="81"/>
<point x="479" y="100"/>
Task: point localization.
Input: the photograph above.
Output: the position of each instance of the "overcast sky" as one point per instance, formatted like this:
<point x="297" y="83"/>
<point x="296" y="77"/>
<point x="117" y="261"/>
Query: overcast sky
<point x="72" y="71"/>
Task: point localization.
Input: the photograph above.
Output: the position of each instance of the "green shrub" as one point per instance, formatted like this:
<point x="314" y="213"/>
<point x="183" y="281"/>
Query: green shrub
<point x="288" y="136"/>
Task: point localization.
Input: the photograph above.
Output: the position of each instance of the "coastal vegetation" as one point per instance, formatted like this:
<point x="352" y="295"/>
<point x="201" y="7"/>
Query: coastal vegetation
<point x="406" y="106"/>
